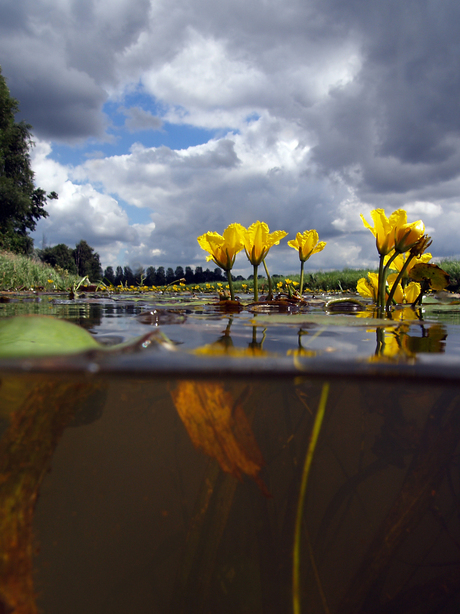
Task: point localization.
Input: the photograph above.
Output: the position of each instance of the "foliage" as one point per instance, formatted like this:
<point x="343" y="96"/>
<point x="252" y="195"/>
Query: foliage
<point x="87" y="261"/>
<point x="21" y="203"/>
<point x="60" y="255"/>
<point x="21" y="272"/>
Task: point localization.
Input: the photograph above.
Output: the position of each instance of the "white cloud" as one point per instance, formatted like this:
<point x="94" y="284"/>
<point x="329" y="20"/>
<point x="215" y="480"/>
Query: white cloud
<point x="322" y="110"/>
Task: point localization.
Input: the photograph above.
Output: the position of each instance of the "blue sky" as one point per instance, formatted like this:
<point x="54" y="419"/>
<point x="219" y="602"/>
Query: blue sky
<point x="157" y="121"/>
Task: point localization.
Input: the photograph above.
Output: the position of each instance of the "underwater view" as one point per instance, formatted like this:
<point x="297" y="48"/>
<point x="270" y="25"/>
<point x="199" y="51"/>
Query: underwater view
<point x="174" y="454"/>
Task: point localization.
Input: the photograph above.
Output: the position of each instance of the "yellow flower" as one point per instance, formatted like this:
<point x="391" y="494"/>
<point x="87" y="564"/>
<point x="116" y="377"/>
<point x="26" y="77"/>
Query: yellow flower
<point x="384" y="228"/>
<point x="258" y="240"/>
<point x="223" y="249"/>
<point x="369" y="287"/>
<point x="408" y="294"/>
<point x="408" y="235"/>
<point x="307" y="244"/>
<point x="400" y="261"/>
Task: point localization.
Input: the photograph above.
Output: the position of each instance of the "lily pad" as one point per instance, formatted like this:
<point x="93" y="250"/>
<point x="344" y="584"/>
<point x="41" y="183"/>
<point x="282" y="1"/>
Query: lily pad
<point x="34" y="336"/>
<point x="436" y="276"/>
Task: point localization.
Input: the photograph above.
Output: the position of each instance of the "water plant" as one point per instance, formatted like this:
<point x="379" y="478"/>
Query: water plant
<point x="258" y="240"/>
<point x="306" y="243"/>
<point x="223" y="249"/>
<point x="395" y="238"/>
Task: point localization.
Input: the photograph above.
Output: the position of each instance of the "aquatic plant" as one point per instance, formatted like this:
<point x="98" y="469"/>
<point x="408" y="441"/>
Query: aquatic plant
<point x="257" y="241"/>
<point x="306" y="243"/>
<point x="394" y="237"/>
<point x="224" y="248"/>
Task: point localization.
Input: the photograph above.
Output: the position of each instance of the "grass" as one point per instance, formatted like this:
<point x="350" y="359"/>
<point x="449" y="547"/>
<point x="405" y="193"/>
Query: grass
<point x="23" y="273"/>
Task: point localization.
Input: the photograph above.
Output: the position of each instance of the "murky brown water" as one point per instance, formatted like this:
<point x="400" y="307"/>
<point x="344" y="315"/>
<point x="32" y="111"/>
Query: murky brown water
<point x="169" y="482"/>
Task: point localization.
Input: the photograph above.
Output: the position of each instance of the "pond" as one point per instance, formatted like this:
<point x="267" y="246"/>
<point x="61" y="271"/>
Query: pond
<point x="274" y="458"/>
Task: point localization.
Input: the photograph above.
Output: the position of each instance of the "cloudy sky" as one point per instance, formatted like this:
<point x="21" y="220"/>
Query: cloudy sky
<point x="158" y="120"/>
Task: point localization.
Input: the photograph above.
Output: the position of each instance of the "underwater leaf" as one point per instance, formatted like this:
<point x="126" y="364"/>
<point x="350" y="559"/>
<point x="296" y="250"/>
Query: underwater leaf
<point x="41" y="411"/>
<point x="437" y="277"/>
<point x="218" y="426"/>
<point x="33" y="336"/>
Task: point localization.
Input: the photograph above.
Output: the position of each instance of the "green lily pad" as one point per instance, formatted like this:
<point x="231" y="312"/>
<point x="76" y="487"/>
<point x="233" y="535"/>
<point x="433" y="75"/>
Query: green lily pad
<point x="34" y="336"/>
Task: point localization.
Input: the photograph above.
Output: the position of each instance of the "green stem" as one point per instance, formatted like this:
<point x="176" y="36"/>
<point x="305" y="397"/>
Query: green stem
<point x="270" y="287"/>
<point x="398" y="279"/>
<point x="381" y="287"/>
<point x="256" y="289"/>
<point x="230" y="284"/>
<point x="302" y="262"/>
<point x="303" y="489"/>
<point x="383" y="272"/>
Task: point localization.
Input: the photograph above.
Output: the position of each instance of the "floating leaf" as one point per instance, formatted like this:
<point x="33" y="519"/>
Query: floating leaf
<point x="34" y="336"/>
<point x="437" y="277"/>
<point x="218" y="426"/>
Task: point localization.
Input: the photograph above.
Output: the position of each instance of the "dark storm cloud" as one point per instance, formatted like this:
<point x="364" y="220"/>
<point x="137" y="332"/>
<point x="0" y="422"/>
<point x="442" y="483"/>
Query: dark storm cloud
<point x="397" y="126"/>
<point x="60" y="58"/>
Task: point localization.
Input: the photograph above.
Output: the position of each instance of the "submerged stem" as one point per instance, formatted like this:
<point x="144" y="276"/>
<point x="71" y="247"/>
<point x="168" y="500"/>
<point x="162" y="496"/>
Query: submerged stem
<point x="303" y="489"/>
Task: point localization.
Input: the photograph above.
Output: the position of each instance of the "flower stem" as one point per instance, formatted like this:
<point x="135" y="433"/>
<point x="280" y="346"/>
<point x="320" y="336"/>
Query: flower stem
<point x="302" y="262"/>
<point x="230" y="284"/>
<point x="397" y="280"/>
<point x="270" y="287"/>
<point x="381" y="288"/>
<point x="385" y="270"/>
<point x="256" y="289"/>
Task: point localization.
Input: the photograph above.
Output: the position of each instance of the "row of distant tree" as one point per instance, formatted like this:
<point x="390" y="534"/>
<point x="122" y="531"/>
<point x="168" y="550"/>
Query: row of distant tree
<point x="160" y="276"/>
<point x="83" y="260"/>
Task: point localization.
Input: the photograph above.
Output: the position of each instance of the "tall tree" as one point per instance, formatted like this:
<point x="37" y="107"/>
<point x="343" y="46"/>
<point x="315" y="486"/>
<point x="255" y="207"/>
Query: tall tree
<point x="59" y="255"/>
<point x="119" y="278"/>
<point x="21" y="203"/>
<point x="150" y="278"/>
<point x="170" y="275"/>
<point x="128" y="276"/>
<point x="87" y="261"/>
<point x="160" y="276"/>
<point x="109" y="275"/>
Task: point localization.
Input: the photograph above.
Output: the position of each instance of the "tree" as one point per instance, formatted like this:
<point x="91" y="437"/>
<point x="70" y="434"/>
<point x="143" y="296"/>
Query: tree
<point x="170" y="275"/>
<point x="87" y="261"/>
<point x="119" y="279"/>
<point x="189" y="275"/>
<point x="160" y="276"/>
<point x="21" y="203"/>
<point x="59" y="255"/>
<point x="128" y="276"/>
<point x="150" y="277"/>
<point x="199" y="275"/>
<point x="109" y="275"/>
<point x="179" y="273"/>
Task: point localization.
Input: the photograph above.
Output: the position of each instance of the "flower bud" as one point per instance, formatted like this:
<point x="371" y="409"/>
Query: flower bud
<point x="408" y="235"/>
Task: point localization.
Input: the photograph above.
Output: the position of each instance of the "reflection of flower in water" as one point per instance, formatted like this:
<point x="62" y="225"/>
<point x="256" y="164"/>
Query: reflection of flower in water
<point x="301" y="350"/>
<point x="396" y="343"/>
<point x="224" y="346"/>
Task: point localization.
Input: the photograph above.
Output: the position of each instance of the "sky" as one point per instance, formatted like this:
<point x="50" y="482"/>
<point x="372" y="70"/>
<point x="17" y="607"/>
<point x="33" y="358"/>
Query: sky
<point x="159" y="120"/>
